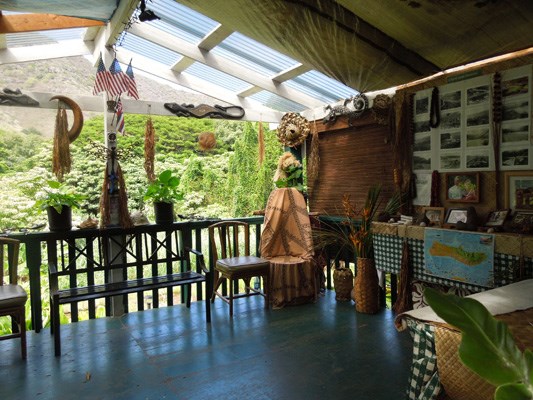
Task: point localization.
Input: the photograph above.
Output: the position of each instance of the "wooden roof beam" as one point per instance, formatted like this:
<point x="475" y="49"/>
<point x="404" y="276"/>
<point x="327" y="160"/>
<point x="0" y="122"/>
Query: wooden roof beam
<point x="42" y="22"/>
<point x="213" y="38"/>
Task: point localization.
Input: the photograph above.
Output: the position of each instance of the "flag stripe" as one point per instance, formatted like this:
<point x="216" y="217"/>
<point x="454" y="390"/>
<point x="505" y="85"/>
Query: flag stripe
<point x="101" y="81"/>
<point x="130" y="80"/>
<point x="117" y="79"/>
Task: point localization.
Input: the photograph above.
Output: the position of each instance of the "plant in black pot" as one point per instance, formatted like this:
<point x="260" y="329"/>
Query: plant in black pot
<point x="163" y="192"/>
<point x="58" y="201"/>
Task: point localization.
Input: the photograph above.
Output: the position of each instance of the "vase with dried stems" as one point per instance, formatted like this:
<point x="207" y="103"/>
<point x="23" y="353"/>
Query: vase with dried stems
<point x="366" y="285"/>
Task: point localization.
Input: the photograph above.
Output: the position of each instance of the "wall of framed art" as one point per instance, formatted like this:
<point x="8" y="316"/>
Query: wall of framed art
<point x="463" y="139"/>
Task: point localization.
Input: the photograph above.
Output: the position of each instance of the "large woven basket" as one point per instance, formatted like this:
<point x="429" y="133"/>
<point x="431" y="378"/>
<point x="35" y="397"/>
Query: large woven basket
<point x="366" y="287"/>
<point x="459" y="382"/>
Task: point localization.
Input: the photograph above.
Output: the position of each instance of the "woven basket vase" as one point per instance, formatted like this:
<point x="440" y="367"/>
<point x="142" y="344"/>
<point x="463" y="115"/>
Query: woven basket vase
<point x="366" y="288"/>
<point x="343" y="282"/>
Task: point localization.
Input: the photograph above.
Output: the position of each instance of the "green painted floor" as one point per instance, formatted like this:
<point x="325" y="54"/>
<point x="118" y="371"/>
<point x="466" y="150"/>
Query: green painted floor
<point x="314" y="351"/>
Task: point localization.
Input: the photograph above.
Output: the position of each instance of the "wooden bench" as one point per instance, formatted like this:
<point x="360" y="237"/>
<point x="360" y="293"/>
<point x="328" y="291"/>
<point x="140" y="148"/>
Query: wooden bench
<point x="69" y="274"/>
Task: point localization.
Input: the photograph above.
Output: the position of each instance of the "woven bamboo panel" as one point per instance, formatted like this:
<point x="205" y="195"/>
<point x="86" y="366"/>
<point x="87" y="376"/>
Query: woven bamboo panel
<point x="351" y="161"/>
<point x="383" y="228"/>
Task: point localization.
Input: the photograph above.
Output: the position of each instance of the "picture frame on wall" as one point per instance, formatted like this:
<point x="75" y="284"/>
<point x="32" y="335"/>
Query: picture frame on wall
<point x="455" y="215"/>
<point x="519" y="190"/>
<point x="497" y="218"/>
<point x="435" y="215"/>
<point x="462" y="187"/>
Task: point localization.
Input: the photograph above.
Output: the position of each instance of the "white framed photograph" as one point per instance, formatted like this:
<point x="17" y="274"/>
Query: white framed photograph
<point x="422" y="142"/>
<point x="478" y="137"/>
<point x="450" y="161"/>
<point x="515" y="132"/>
<point x="451" y="100"/>
<point x="450" y="140"/>
<point x="477" y="159"/>
<point x="477" y="95"/>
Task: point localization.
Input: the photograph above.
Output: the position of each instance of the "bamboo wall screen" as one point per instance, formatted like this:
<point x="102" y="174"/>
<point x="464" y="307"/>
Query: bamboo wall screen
<point x="352" y="159"/>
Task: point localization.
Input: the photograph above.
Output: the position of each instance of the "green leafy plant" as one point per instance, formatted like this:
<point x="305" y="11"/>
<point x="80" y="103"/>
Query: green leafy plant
<point x="164" y="189"/>
<point x="487" y="346"/>
<point x="58" y="195"/>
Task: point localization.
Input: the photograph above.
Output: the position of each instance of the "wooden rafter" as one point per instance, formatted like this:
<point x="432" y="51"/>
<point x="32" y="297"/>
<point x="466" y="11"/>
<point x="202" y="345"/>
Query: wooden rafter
<point x="42" y="22"/>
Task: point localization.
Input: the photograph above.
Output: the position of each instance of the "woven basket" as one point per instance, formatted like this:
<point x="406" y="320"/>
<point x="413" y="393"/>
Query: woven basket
<point x="459" y="382"/>
<point x="366" y="288"/>
<point x="343" y="282"/>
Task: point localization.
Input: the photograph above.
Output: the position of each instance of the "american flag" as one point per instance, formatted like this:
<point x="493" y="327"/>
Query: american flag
<point x="117" y="80"/>
<point x="101" y="81"/>
<point x="130" y="80"/>
<point x="120" y="117"/>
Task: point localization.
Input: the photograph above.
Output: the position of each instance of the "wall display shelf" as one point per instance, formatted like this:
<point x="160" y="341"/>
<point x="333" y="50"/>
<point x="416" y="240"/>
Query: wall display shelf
<point x="512" y="253"/>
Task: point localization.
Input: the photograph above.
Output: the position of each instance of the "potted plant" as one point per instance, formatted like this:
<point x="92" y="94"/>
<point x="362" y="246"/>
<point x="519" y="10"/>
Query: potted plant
<point x="58" y="201"/>
<point x="163" y="192"/>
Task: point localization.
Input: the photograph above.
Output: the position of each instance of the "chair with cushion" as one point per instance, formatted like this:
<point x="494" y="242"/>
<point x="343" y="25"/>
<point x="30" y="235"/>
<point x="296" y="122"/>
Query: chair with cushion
<point x="12" y="296"/>
<point x="230" y="256"/>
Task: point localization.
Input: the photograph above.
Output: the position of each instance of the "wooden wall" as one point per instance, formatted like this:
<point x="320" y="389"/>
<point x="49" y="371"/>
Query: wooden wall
<point x="352" y="159"/>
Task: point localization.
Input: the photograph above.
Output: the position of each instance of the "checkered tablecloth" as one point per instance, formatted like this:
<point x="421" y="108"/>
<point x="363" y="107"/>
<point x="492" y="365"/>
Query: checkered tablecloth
<point x="388" y="255"/>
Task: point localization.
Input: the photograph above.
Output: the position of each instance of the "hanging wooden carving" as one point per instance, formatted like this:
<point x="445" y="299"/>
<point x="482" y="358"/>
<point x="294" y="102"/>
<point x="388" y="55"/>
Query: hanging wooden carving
<point x="205" y="111"/>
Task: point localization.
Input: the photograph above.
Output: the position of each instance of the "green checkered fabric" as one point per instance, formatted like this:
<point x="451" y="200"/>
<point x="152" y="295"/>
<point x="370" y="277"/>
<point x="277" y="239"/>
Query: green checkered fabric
<point x="424" y="383"/>
<point x="388" y="255"/>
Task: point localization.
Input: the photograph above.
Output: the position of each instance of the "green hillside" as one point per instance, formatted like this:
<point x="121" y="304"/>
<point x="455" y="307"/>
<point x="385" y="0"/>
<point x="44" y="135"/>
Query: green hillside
<point x="224" y="182"/>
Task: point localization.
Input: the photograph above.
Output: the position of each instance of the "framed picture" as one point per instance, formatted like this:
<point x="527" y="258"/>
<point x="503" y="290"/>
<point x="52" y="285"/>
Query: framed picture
<point x="435" y="215"/>
<point x="519" y="190"/>
<point x="497" y="218"/>
<point x="455" y="215"/>
<point x="462" y="187"/>
<point x="522" y="222"/>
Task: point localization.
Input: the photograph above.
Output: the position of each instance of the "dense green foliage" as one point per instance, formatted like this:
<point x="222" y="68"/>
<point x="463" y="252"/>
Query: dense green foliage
<point x="224" y="182"/>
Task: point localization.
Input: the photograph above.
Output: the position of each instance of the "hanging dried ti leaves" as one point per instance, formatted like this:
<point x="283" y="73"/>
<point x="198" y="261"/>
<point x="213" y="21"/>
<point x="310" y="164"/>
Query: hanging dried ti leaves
<point x="61" y="159"/>
<point x="261" y="143"/>
<point x="149" y="150"/>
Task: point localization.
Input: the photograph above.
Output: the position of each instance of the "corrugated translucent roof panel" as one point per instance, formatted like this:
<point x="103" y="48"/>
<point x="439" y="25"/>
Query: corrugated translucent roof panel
<point x="181" y="21"/>
<point x="217" y="77"/>
<point x="43" y="37"/>
<point x="321" y="87"/>
<point x="150" y="50"/>
<point x="254" y="55"/>
<point x="277" y="102"/>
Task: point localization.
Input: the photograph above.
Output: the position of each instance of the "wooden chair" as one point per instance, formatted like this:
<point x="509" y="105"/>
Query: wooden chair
<point x="12" y="296"/>
<point x="233" y="262"/>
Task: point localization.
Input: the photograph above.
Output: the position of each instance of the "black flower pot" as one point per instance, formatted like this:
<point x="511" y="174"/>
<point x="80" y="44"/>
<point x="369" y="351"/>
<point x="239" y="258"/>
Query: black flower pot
<point x="164" y="213"/>
<point x="58" y="222"/>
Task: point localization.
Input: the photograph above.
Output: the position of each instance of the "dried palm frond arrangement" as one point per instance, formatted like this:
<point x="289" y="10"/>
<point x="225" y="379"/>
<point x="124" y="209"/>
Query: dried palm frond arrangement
<point x="111" y="181"/>
<point x="149" y="150"/>
<point x="207" y="141"/>
<point x="61" y="159"/>
<point x="293" y="129"/>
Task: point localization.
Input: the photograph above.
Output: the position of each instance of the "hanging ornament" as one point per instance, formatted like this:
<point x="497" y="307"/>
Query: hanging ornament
<point x="293" y="129"/>
<point x="207" y="141"/>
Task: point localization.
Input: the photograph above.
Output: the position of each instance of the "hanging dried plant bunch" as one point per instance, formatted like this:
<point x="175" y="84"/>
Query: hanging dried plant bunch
<point x="207" y="141"/>
<point x="149" y="150"/>
<point x="61" y="159"/>
<point x="293" y="129"/>
<point x="261" y="144"/>
<point x="313" y="166"/>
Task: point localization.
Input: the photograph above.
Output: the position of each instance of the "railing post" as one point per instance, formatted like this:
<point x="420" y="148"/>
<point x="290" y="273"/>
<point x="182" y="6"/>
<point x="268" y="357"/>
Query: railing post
<point x="33" y="262"/>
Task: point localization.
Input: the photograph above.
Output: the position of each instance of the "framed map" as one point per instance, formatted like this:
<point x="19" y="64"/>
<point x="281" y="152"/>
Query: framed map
<point x="460" y="256"/>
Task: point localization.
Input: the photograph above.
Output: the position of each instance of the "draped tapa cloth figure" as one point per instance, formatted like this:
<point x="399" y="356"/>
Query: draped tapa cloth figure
<point x="287" y="242"/>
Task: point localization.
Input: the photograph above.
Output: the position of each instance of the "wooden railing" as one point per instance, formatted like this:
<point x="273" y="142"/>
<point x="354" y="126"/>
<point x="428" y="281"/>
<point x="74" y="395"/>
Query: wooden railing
<point x="84" y="248"/>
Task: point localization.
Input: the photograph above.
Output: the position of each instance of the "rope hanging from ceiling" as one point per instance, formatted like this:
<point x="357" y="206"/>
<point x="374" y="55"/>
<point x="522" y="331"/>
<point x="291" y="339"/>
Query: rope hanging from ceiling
<point x="434" y="110"/>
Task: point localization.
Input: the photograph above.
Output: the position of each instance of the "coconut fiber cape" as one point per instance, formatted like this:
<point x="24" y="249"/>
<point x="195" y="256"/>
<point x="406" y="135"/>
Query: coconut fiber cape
<point x="287" y="243"/>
